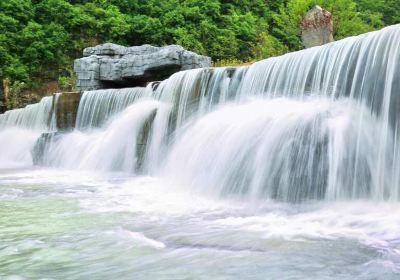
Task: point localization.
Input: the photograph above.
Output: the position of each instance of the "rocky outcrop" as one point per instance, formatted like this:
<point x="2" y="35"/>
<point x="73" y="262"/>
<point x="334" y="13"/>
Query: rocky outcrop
<point x="317" y="27"/>
<point x="110" y="65"/>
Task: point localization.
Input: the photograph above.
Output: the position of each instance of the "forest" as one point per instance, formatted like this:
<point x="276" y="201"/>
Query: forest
<point x="39" y="39"/>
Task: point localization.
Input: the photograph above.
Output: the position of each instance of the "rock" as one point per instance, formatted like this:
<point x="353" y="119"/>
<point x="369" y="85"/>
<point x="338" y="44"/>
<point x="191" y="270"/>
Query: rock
<point x="26" y="98"/>
<point x="66" y="110"/>
<point x="317" y="27"/>
<point x="142" y="140"/>
<point x="107" y="49"/>
<point x="110" y="65"/>
<point x="41" y="146"/>
<point x="87" y="73"/>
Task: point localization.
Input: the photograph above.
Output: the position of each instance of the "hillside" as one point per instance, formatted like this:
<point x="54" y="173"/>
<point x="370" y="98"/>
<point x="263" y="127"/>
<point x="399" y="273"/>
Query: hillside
<point x="40" y="38"/>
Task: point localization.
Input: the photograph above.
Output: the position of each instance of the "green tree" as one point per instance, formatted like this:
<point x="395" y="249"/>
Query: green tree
<point x="39" y="39"/>
<point x="348" y="20"/>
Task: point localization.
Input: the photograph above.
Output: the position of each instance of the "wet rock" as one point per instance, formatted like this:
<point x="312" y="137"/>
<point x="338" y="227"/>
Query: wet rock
<point x="66" y="110"/>
<point x="317" y="27"/>
<point x="42" y="145"/>
<point x="143" y="140"/>
<point x="111" y="65"/>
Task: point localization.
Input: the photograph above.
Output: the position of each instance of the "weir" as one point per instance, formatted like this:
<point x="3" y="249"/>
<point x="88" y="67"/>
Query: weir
<point x="321" y="123"/>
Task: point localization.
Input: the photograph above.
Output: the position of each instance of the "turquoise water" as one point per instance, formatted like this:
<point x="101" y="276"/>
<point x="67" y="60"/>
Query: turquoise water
<point x="68" y="225"/>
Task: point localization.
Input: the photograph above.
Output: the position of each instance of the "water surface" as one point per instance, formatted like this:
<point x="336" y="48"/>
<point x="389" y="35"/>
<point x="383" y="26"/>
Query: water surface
<point x="58" y="224"/>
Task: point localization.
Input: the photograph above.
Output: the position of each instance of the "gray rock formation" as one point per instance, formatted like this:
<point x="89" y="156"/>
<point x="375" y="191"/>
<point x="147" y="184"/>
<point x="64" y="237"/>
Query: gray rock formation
<point x="110" y="65"/>
<point x="317" y="27"/>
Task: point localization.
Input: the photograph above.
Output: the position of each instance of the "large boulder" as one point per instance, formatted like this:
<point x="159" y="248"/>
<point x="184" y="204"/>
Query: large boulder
<point x="110" y="65"/>
<point x="317" y="27"/>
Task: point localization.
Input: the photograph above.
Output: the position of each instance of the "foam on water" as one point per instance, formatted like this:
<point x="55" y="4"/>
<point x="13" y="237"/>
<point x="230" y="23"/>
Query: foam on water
<point x="110" y="149"/>
<point x="16" y="154"/>
<point x="154" y="224"/>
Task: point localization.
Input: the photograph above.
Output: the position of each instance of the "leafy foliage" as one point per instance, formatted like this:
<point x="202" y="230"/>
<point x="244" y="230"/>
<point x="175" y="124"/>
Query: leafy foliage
<point x="40" y="38"/>
<point x="15" y="89"/>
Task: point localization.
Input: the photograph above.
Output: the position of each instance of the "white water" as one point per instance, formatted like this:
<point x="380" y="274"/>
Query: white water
<point x="284" y="149"/>
<point x="70" y="225"/>
<point x="14" y="153"/>
<point x="96" y="107"/>
<point x="20" y="129"/>
<point x="33" y="117"/>
<point x="111" y="149"/>
<point x="333" y="136"/>
<point x="288" y="169"/>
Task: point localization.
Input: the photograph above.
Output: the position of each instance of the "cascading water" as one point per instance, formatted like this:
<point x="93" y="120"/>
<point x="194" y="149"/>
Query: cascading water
<point x="109" y="132"/>
<point x="346" y="150"/>
<point x="283" y="149"/>
<point x="323" y="156"/>
<point x="34" y="117"/>
<point x="98" y="106"/>
<point x="115" y="148"/>
<point x="20" y="129"/>
<point x="288" y="168"/>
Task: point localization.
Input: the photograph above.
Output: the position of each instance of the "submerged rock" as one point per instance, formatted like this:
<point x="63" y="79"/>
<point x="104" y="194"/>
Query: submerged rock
<point x="110" y="65"/>
<point x="317" y="27"/>
<point x="143" y="140"/>
<point x="42" y="144"/>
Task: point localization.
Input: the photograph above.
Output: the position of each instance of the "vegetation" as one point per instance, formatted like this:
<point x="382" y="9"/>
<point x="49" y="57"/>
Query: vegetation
<point x="40" y="38"/>
<point x="15" y="89"/>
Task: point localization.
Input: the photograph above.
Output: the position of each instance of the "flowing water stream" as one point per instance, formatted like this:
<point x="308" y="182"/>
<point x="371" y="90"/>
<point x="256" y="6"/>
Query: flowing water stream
<point x="285" y="169"/>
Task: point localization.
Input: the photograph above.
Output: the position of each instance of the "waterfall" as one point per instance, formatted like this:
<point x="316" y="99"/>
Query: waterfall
<point x="116" y="147"/>
<point x="20" y="129"/>
<point x="320" y="123"/>
<point x="283" y="149"/>
<point x="34" y="117"/>
<point x="196" y="91"/>
<point x="343" y="145"/>
<point x="98" y="106"/>
<point x="109" y="132"/>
